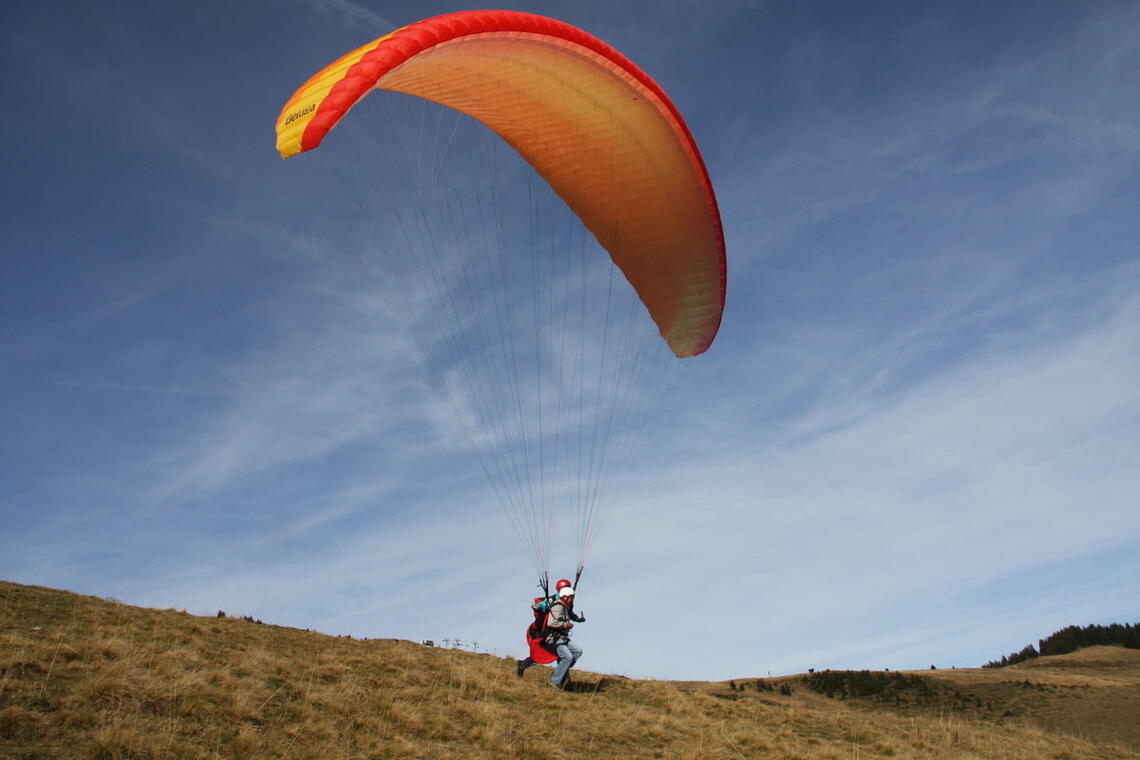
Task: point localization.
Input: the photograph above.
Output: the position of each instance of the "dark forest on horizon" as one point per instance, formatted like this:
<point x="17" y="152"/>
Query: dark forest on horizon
<point x="1072" y="638"/>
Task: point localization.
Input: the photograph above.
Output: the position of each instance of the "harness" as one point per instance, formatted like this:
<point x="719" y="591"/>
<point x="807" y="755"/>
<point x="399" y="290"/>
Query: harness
<point x="539" y="629"/>
<point x="551" y="636"/>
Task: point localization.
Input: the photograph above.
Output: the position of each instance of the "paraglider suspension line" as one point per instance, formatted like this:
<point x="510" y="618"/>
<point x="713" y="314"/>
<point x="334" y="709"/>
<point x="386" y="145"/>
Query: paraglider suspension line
<point x="544" y="583"/>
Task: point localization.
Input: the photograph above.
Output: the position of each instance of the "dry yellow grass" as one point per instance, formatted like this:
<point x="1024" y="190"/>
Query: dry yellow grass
<point x="82" y="677"/>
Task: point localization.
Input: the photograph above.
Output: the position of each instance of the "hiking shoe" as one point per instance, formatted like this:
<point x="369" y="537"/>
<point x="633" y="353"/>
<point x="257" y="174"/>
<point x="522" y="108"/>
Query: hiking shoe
<point x="555" y="686"/>
<point x="519" y="668"/>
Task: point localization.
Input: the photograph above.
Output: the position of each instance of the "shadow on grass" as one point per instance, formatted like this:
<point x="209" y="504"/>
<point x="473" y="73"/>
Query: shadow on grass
<point x="587" y="687"/>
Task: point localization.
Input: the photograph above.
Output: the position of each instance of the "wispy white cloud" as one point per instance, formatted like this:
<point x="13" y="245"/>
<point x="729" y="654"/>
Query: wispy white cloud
<point x="352" y="14"/>
<point x="1015" y="459"/>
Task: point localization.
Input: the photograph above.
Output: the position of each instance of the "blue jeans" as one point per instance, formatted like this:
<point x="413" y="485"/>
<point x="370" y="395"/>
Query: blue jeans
<point x="568" y="653"/>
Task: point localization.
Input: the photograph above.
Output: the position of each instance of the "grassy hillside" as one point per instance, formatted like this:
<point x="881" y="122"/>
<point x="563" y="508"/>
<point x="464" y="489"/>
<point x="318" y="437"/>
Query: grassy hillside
<point x="82" y="677"/>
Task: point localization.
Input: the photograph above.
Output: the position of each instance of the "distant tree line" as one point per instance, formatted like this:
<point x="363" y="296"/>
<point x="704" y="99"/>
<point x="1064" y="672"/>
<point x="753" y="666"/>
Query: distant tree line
<point x="1071" y="639"/>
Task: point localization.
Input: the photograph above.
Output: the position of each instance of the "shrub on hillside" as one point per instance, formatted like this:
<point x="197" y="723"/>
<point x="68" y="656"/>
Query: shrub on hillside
<point x="866" y="683"/>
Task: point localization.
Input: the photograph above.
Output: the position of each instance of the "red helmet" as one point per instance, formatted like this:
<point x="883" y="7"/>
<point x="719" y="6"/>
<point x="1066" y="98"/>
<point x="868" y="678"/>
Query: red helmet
<point x="562" y="584"/>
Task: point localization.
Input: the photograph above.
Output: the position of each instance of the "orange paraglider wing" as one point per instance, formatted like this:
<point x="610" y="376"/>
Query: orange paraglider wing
<point x="596" y="127"/>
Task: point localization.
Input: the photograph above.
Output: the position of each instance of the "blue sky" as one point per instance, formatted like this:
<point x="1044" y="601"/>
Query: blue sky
<point x="914" y="442"/>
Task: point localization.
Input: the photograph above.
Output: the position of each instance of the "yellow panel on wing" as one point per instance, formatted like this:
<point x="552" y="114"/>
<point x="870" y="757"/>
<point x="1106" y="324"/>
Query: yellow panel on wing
<point x="301" y="108"/>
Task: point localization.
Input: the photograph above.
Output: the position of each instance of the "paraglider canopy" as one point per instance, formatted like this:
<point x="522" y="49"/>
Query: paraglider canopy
<point x="609" y="142"/>
<point x="603" y="134"/>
